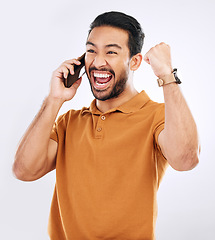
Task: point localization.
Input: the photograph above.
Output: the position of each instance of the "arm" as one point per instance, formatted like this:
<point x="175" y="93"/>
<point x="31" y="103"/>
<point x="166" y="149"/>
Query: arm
<point x="36" y="152"/>
<point x="179" y="139"/>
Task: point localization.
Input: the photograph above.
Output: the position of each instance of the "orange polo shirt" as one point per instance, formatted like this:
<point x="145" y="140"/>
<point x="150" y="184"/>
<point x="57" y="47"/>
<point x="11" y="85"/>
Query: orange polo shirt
<point x="108" y="170"/>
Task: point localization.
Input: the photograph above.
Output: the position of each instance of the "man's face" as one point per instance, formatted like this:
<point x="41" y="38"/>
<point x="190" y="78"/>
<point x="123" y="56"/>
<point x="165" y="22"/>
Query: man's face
<point x="107" y="61"/>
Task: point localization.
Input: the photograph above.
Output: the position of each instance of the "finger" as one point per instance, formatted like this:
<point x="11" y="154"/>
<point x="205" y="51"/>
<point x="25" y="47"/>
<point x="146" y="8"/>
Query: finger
<point x="146" y="59"/>
<point x="164" y="44"/>
<point x="64" y="70"/>
<point x="70" y="67"/>
<point x="73" y="61"/>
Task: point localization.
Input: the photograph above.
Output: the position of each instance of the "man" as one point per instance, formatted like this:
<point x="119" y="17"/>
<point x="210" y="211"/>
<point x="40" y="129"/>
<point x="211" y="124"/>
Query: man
<point x="110" y="157"/>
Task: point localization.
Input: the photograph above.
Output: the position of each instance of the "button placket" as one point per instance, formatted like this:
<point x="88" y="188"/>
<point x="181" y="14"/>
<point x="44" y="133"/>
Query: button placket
<point x="100" y="127"/>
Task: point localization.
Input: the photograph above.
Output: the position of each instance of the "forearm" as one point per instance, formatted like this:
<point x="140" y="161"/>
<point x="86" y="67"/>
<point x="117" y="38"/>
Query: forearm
<point x="36" y="153"/>
<point x="31" y="155"/>
<point x="180" y="137"/>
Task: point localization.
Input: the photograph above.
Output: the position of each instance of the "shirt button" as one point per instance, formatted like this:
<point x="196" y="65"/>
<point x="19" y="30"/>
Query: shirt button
<point x="103" y="117"/>
<point x="99" y="129"/>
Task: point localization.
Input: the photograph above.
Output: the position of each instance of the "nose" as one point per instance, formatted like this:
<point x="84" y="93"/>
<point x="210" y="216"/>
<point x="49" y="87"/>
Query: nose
<point x="99" y="61"/>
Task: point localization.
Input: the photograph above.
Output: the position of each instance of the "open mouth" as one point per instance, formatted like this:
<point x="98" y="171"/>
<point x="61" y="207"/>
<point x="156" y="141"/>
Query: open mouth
<point x="101" y="80"/>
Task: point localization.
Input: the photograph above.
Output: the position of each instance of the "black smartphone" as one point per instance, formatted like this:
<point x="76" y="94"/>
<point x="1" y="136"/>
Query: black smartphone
<point x="77" y="68"/>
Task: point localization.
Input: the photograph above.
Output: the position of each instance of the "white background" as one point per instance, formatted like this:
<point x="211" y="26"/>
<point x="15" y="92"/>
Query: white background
<point x="36" y="36"/>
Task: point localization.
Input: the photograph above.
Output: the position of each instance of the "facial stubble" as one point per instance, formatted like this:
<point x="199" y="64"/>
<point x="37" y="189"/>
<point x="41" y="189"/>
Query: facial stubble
<point x="117" y="89"/>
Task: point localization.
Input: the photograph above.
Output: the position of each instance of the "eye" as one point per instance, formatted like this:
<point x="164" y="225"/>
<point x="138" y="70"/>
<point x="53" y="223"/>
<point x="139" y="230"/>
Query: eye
<point x="111" y="52"/>
<point x="90" y="51"/>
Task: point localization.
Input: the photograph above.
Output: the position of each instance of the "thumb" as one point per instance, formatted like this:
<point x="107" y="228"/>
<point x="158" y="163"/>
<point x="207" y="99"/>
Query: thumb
<point x="77" y="83"/>
<point x="146" y="59"/>
<point x="69" y="93"/>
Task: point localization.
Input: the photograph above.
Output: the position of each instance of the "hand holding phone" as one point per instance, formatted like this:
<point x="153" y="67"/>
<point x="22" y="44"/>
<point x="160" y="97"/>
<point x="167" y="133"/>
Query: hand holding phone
<point x="77" y="68"/>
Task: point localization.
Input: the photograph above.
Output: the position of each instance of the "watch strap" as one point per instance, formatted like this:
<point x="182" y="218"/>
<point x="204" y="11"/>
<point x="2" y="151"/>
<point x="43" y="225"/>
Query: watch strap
<point x="171" y="78"/>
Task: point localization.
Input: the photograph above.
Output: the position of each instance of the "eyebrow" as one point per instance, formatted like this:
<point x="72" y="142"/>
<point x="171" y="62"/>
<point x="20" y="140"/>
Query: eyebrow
<point x="113" y="45"/>
<point x="106" y="46"/>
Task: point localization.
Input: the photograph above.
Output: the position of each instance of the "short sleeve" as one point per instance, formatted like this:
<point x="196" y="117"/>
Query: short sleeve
<point x="161" y="161"/>
<point x="58" y="128"/>
<point x="159" y="122"/>
<point x="54" y="135"/>
<point x="158" y="130"/>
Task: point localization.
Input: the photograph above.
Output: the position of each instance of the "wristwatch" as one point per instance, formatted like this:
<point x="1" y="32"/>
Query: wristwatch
<point x="172" y="78"/>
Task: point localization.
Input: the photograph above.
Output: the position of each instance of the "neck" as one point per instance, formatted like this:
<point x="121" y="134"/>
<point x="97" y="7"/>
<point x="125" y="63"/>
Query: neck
<point x="125" y="96"/>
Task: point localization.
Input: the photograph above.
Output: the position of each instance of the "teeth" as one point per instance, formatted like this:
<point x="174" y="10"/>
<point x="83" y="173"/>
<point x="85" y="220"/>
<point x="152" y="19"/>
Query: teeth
<point x="100" y="75"/>
<point x="99" y="83"/>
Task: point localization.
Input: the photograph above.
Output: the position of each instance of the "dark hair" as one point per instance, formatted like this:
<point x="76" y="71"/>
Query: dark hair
<point x="125" y="22"/>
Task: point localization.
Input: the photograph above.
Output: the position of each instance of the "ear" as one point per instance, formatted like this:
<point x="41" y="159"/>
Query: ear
<point x="135" y="61"/>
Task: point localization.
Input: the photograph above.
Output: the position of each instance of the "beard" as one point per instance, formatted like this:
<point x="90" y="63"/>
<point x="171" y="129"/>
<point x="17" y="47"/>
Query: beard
<point x="118" y="87"/>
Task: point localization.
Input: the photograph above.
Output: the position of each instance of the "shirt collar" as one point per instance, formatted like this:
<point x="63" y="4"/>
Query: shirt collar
<point x="133" y="105"/>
